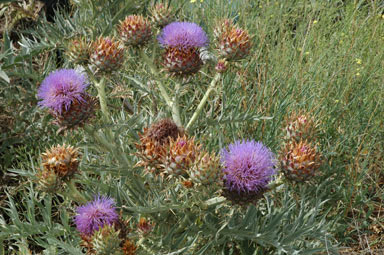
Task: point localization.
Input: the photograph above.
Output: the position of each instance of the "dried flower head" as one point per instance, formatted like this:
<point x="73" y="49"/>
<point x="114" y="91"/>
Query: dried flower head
<point x="299" y="161"/>
<point x="182" y="41"/>
<point x="95" y="214"/>
<point x="233" y="42"/>
<point x="135" y="30"/>
<point x="153" y="144"/>
<point x="107" y="54"/>
<point x="180" y="156"/>
<point x="63" y="160"/>
<point x="161" y="14"/>
<point x="248" y="169"/>
<point x="61" y="88"/>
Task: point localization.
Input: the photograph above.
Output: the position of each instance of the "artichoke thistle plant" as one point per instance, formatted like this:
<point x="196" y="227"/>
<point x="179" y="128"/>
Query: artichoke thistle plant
<point x="201" y="163"/>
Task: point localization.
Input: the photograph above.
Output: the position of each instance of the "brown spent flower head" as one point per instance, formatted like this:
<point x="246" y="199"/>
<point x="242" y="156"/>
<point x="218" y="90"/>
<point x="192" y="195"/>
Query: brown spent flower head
<point x="299" y="161"/>
<point x="182" y="61"/>
<point x="154" y="142"/>
<point x="161" y="14"/>
<point x="181" y="155"/>
<point x="144" y="227"/>
<point x="107" y="54"/>
<point x="299" y="127"/>
<point x="78" y="114"/>
<point x="135" y="30"/>
<point x="78" y="51"/>
<point x="63" y="160"/>
<point x="233" y="43"/>
<point x="207" y="169"/>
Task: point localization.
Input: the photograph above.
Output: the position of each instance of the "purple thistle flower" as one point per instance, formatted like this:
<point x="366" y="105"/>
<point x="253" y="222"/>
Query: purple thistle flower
<point x="183" y="35"/>
<point x="60" y="88"/>
<point x="248" y="166"/>
<point x="94" y="215"/>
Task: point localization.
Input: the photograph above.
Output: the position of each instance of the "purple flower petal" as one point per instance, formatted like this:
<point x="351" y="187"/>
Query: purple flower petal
<point x="183" y="35"/>
<point x="248" y="166"/>
<point x="60" y="88"/>
<point x="94" y="215"/>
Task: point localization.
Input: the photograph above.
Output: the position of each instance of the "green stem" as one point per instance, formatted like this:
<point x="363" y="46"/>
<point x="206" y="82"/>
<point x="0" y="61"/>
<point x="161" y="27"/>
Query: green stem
<point x="74" y="193"/>
<point x="173" y="104"/>
<point x="100" y="86"/>
<point x="203" y="101"/>
<point x="175" y="107"/>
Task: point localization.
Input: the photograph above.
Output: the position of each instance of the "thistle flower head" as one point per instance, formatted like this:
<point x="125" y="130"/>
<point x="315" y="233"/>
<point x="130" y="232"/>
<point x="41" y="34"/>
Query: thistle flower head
<point x="107" y="54"/>
<point x="163" y="130"/>
<point x="248" y="166"/>
<point x="299" y="161"/>
<point x="61" y="88"/>
<point x="135" y="30"/>
<point x="183" y="35"/>
<point x="62" y="159"/>
<point x="95" y="214"/>
<point x="161" y="14"/>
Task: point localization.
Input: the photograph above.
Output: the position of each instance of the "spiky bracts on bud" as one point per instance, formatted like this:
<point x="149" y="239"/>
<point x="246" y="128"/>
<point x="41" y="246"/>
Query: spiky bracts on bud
<point x="300" y="126"/>
<point x="106" y="241"/>
<point x="161" y="14"/>
<point x="299" y="161"/>
<point x="63" y="160"/>
<point x="182" y="41"/>
<point x="233" y="42"/>
<point x="47" y="180"/>
<point x="207" y="169"/>
<point x="135" y="30"/>
<point x="107" y="54"/>
<point x="181" y="155"/>
<point x="129" y="247"/>
<point x="248" y="167"/>
<point x="78" y="51"/>
<point x="153" y="144"/>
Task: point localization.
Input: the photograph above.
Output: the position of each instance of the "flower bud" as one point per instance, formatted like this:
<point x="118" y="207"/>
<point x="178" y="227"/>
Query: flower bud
<point x="299" y="161"/>
<point x="135" y="30"/>
<point x="207" y="169"/>
<point x="78" y="51"/>
<point x="233" y="43"/>
<point x="161" y="14"/>
<point x="300" y="127"/>
<point x="107" y="54"/>
<point x="106" y="241"/>
<point x="221" y="66"/>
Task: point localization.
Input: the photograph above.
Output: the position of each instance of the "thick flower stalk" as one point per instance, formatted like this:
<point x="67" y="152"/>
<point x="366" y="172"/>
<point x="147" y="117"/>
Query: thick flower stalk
<point x="95" y="214"/>
<point x="135" y="30"/>
<point x="161" y="14"/>
<point x="107" y="54"/>
<point x="299" y="161"/>
<point x="154" y="143"/>
<point x="63" y="93"/>
<point x="182" y="41"/>
<point x="233" y="42"/>
<point x="248" y="168"/>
